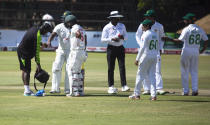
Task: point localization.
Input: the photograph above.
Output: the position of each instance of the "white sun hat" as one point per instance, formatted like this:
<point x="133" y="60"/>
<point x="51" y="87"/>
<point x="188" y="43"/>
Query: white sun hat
<point x="114" y="14"/>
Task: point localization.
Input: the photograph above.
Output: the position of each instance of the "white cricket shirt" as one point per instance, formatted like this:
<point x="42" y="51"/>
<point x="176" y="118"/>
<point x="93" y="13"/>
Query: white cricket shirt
<point x="149" y="41"/>
<point x="110" y="31"/>
<point x="63" y="36"/>
<point x="157" y="28"/>
<point x="191" y="36"/>
<point x="76" y="43"/>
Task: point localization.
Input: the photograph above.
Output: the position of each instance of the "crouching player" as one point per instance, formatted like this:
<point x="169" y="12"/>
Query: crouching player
<point x="146" y="60"/>
<point x="77" y="57"/>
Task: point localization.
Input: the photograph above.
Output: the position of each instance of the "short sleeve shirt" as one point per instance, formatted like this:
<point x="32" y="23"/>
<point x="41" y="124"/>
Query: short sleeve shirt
<point x="63" y="36"/>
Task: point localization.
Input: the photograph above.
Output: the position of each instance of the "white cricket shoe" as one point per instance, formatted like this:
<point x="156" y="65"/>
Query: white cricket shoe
<point x="125" y="88"/>
<point x="29" y="93"/>
<point x="134" y="97"/>
<point x="66" y="91"/>
<point x="75" y="94"/>
<point x="146" y="92"/>
<point x="53" y="91"/>
<point x="161" y="92"/>
<point x="112" y="90"/>
<point x="185" y="94"/>
<point x="69" y="95"/>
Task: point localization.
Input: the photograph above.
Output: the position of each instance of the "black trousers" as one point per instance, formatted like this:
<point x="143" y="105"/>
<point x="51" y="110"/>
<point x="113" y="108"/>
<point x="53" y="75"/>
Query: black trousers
<point x="114" y="52"/>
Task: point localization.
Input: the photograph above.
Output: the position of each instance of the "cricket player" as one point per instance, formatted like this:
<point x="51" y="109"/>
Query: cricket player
<point x="146" y="60"/>
<point x="158" y="29"/>
<point x="62" y="30"/>
<point x="28" y="48"/>
<point x="49" y="19"/>
<point x="77" y="57"/>
<point x="191" y="36"/>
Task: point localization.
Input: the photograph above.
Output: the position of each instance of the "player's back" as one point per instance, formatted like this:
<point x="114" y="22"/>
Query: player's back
<point x="193" y="37"/>
<point x="150" y="43"/>
<point x="28" y="44"/>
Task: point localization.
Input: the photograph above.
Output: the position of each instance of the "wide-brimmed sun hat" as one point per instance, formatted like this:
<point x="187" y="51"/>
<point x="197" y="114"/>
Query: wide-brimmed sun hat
<point x="115" y="14"/>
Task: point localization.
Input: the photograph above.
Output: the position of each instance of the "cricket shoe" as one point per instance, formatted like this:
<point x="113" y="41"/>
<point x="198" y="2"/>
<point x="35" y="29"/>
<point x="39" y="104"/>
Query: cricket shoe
<point x="112" y="90"/>
<point x="134" y="97"/>
<point x="161" y="92"/>
<point x="69" y="95"/>
<point x="29" y="93"/>
<point x="153" y="98"/>
<point x="53" y="91"/>
<point x="76" y="94"/>
<point x="66" y="91"/>
<point x="125" y="88"/>
<point x="185" y="94"/>
<point x="195" y="93"/>
<point x="146" y="92"/>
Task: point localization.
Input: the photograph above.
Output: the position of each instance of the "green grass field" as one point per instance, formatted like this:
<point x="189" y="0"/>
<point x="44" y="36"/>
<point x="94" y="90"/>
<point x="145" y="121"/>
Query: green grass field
<point x="97" y="107"/>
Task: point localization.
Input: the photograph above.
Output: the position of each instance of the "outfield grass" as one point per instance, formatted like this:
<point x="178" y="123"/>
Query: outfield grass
<point x="97" y="107"/>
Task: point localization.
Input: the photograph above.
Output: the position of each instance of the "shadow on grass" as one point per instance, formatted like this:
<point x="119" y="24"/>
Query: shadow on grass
<point x="106" y="95"/>
<point x="176" y="100"/>
<point x="93" y="95"/>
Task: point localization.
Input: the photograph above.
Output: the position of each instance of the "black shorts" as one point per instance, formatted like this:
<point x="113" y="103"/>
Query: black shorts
<point x="25" y="64"/>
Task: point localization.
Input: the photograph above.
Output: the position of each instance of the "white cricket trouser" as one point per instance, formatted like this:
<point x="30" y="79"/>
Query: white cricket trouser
<point x="146" y="68"/>
<point x="189" y="64"/>
<point x="61" y="57"/>
<point x="159" y="80"/>
<point x="77" y="57"/>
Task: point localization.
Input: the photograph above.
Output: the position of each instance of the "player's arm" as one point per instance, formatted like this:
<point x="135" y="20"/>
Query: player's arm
<point x="139" y="34"/>
<point x="123" y="36"/>
<point x="52" y="36"/>
<point x="105" y="37"/>
<point x="204" y="37"/>
<point x="161" y="34"/>
<point x="37" y="56"/>
<point x="204" y="47"/>
<point x="141" y="50"/>
<point x="85" y="41"/>
<point x="181" y="38"/>
<point x="165" y="38"/>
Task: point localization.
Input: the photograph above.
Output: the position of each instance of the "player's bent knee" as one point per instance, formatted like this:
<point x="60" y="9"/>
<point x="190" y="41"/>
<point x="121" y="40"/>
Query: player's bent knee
<point x="56" y="67"/>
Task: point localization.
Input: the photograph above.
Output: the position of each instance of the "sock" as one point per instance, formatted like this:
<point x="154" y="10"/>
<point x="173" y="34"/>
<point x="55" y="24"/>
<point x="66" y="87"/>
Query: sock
<point x="27" y="89"/>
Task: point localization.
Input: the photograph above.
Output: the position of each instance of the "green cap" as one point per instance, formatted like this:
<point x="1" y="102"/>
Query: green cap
<point x="66" y="13"/>
<point x="147" y="22"/>
<point x="188" y="16"/>
<point x="69" y="18"/>
<point x="150" y="13"/>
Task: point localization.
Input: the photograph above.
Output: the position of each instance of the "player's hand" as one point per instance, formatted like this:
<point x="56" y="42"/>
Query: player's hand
<point x="116" y="39"/>
<point x="165" y="38"/>
<point x="121" y="37"/>
<point x="38" y="67"/>
<point x="49" y="45"/>
<point x="78" y="35"/>
<point x="136" y="63"/>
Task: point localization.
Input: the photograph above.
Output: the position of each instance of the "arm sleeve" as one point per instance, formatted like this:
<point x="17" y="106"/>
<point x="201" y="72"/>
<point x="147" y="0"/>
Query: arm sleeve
<point x="125" y="33"/>
<point x="139" y="34"/>
<point x="183" y="35"/>
<point x="162" y="34"/>
<point x="141" y="49"/>
<point x="105" y="36"/>
<point x="37" y="56"/>
<point x="56" y="29"/>
<point x="204" y="36"/>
